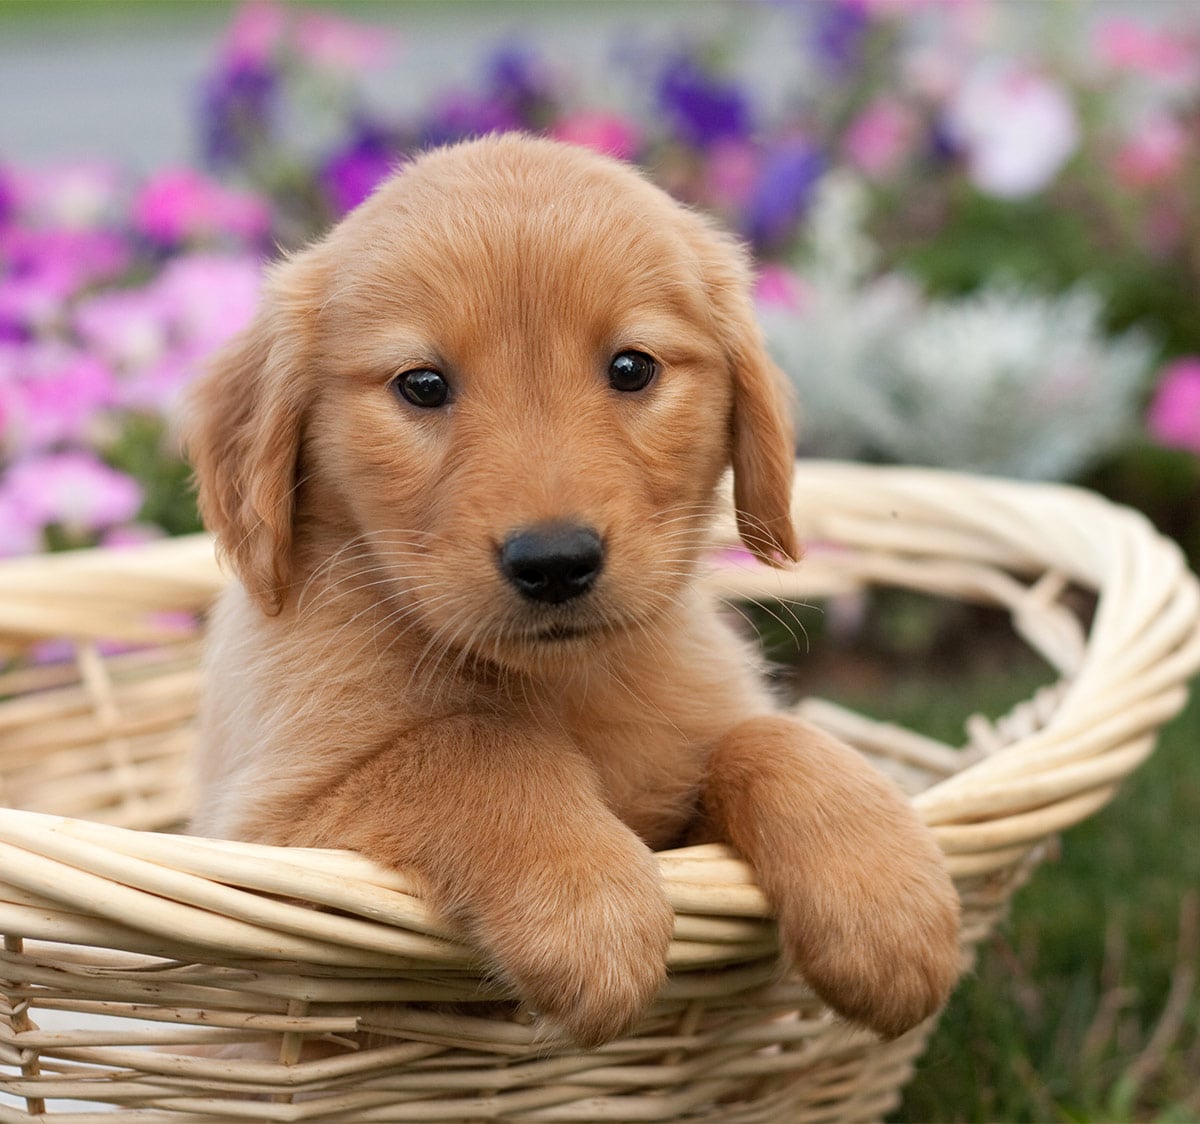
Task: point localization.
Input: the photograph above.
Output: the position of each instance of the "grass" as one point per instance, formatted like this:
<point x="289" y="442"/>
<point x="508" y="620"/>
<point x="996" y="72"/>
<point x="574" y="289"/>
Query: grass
<point x="1083" y="1007"/>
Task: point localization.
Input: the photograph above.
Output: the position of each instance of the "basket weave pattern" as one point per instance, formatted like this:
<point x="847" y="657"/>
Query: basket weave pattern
<point x="132" y="956"/>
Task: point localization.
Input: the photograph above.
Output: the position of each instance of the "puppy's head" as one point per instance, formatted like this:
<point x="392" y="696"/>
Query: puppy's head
<point x="512" y="378"/>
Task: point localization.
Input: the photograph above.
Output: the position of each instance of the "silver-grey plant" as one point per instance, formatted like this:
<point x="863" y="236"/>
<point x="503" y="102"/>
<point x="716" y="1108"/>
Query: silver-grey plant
<point x="1004" y="381"/>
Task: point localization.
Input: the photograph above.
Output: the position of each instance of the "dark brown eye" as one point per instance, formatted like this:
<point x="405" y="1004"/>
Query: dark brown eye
<point x="631" y="370"/>
<point x="423" y="387"/>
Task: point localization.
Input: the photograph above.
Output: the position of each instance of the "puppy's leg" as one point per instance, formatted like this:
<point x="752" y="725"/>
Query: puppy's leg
<point x="509" y="832"/>
<point x="864" y="905"/>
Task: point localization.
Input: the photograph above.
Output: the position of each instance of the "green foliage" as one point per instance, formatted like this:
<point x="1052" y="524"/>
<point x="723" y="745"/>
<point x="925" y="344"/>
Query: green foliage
<point x="146" y="452"/>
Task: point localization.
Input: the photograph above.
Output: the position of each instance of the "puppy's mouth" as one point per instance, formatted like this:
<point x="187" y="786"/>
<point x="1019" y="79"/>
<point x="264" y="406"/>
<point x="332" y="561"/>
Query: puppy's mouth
<point x="563" y="633"/>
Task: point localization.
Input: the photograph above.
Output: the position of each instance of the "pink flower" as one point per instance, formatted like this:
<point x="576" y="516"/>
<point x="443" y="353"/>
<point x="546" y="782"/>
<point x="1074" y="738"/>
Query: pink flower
<point x="55" y="392"/>
<point x="1154" y="153"/>
<point x="1018" y="129"/>
<point x="1174" y="415"/>
<point x="607" y="133"/>
<point x="778" y="287"/>
<point x="209" y="297"/>
<point x="77" y="196"/>
<point x="44" y="268"/>
<point x="1126" y="46"/>
<point x="180" y="205"/>
<point x="19" y="533"/>
<point x="254" y="34"/>
<point x="198" y="302"/>
<point x="341" y="45"/>
<point x="125" y="327"/>
<point x="880" y="137"/>
<point x="73" y="490"/>
<point x="734" y="167"/>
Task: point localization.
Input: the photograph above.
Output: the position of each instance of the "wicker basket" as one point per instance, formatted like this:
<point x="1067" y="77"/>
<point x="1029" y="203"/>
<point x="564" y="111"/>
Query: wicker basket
<point x="128" y="951"/>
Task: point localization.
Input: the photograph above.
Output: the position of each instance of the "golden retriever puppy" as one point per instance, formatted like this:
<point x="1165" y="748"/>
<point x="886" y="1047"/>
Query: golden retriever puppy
<point x="464" y="463"/>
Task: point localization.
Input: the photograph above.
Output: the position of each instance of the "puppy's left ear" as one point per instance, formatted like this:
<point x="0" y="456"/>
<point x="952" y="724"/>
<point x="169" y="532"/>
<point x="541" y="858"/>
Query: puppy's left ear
<point x="763" y="452"/>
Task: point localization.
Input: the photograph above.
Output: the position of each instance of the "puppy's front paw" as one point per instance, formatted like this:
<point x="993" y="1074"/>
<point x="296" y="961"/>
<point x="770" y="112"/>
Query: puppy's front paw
<point x="588" y="954"/>
<point x="865" y="907"/>
<point x="878" y="938"/>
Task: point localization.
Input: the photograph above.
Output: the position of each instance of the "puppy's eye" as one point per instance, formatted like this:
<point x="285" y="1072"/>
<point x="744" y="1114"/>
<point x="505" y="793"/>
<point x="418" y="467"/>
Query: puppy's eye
<point x="423" y="387"/>
<point x="631" y="370"/>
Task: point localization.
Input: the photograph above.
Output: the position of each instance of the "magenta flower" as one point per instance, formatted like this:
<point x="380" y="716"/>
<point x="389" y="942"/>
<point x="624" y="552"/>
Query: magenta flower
<point x="73" y="490"/>
<point x="1174" y="415"/>
<point x="777" y="287"/>
<point x="608" y="133"/>
<point x="180" y="205"/>
<point x="54" y="392"/>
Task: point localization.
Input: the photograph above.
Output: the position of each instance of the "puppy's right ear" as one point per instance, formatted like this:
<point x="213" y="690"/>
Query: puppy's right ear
<point x="242" y="434"/>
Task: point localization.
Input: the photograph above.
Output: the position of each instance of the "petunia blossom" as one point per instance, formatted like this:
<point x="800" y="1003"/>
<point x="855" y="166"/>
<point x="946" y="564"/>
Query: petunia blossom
<point x="75" y="195"/>
<point x="777" y="287"/>
<point x="789" y="175"/>
<point x="1173" y="418"/>
<point x="879" y="138"/>
<point x="1017" y="128"/>
<point x="74" y="490"/>
<point x="351" y="173"/>
<point x="344" y="46"/>
<point x="1129" y="46"/>
<point x="1155" y="152"/>
<point x="254" y="35"/>
<point x="609" y="133"/>
<point x="54" y="392"/>
<point x="179" y="205"/>
<point x="702" y="108"/>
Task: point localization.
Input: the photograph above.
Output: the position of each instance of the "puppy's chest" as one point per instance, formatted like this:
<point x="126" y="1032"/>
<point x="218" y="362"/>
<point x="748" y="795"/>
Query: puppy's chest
<point x="650" y="768"/>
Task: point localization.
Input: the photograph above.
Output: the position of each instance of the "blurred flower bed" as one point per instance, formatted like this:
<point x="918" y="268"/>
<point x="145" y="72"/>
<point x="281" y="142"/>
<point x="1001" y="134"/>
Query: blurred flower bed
<point x="978" y="250"/>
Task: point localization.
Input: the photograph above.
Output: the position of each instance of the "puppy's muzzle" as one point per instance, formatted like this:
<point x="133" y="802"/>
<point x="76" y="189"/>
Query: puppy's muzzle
<point x="552" y="563"/>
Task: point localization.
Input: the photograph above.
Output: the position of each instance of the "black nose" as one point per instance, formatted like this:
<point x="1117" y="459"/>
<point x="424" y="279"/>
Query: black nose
<point x="552" y="563"/>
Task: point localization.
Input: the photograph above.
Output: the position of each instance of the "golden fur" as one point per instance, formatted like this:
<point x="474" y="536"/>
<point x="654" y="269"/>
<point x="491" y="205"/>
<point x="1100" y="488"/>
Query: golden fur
<point x="377" y="682"/>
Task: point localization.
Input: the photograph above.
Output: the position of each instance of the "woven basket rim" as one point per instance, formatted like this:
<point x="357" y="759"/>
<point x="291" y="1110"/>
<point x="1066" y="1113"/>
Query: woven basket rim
<point x="1127" y="679"/>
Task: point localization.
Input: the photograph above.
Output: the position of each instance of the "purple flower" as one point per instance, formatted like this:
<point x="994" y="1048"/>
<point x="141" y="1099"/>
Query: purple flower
<point x="353" y="172"/>
<point x="460" y="116"/>
<point x="837" y="34"/>
<point x="73" y="490"/>
<point x="238" y="108"/>
<point x="518" y="80"/>
<point x="701" y="108"/>
<point x="783" y="191"/>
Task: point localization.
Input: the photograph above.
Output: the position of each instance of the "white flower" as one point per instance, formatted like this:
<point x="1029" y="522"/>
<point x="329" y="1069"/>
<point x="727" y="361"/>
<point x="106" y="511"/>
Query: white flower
<point x="1017" y="127"/>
